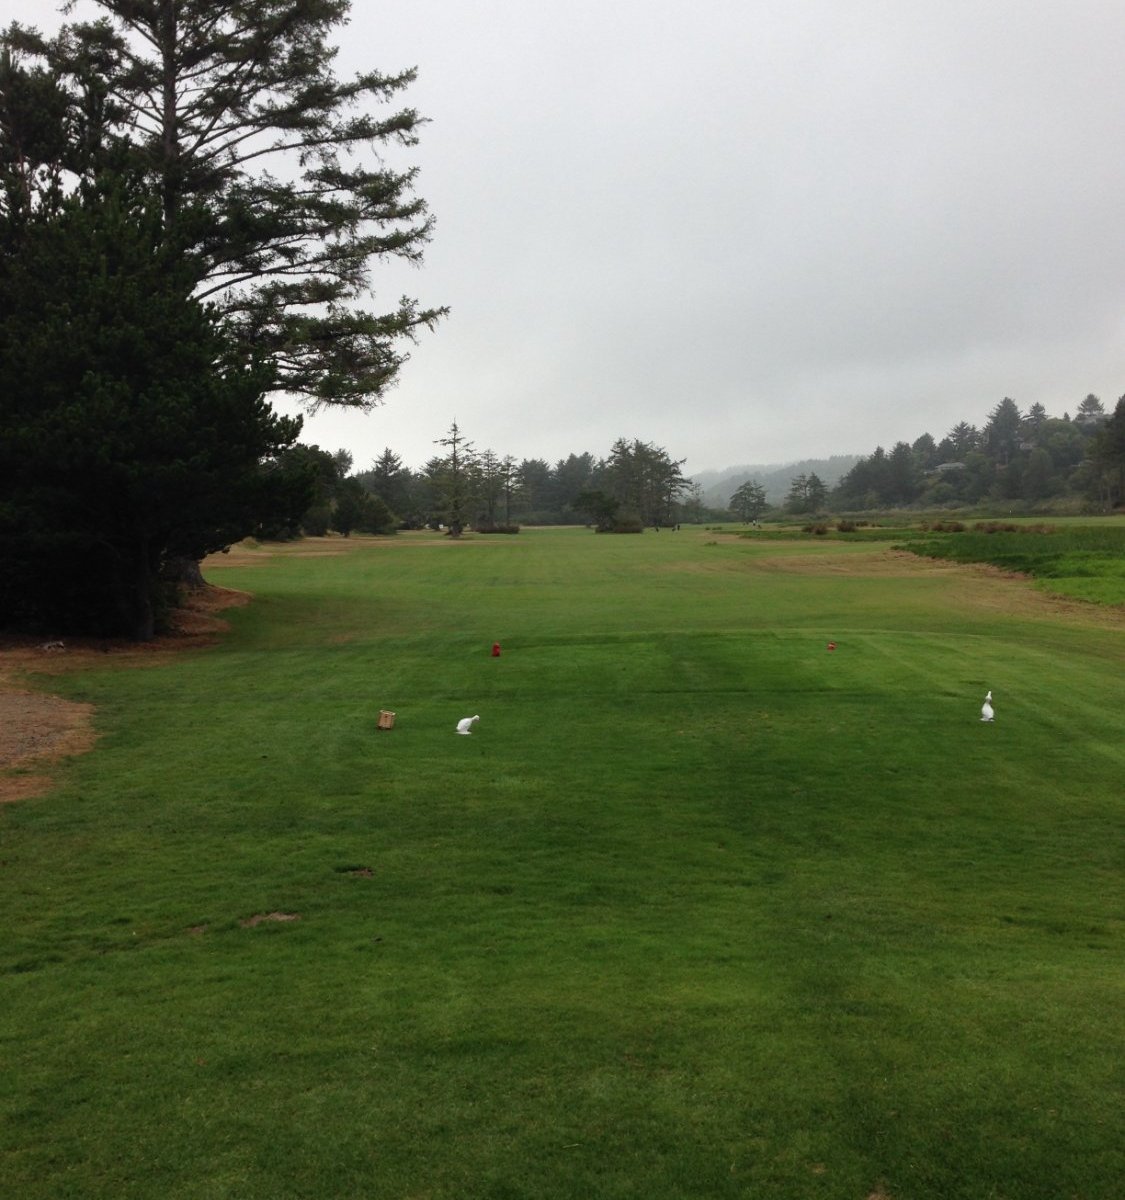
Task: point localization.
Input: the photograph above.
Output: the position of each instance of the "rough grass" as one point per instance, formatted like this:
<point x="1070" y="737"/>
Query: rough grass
<point x="702" y="909"/>
<point x="1085" y="562"/>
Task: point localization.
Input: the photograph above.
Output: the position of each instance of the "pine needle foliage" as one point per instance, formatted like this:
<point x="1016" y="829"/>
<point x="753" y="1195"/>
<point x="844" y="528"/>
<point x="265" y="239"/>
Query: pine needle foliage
<point x="232" y="112"/>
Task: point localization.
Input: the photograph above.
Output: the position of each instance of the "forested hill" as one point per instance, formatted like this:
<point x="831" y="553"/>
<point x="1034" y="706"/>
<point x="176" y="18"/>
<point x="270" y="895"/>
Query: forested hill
<point x="774" y="477"/>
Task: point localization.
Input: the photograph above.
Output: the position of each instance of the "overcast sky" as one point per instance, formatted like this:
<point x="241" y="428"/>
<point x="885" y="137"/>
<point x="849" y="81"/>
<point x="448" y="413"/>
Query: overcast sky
<point x="749" y="230"/>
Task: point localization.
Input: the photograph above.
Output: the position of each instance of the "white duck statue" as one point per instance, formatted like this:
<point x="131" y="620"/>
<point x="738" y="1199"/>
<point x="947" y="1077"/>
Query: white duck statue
<point x="465" y="725"/>
<point x="986" y="713"/>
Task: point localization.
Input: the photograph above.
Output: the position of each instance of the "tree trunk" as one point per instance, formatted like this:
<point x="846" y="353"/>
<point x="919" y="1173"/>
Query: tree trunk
<point x="144" y="615"/>
<point x="184" y="571"/>
<point x="140" y="584"/>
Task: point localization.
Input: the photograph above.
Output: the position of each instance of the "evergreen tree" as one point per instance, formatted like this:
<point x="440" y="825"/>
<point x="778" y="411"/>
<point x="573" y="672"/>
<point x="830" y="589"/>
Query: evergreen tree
<point x="1037" y="482"/>
<point x="964" y="438"/>
<point x="489" y="490"/>
<point x="1002" y="432"/>
<point x="1091" y="411"/>
<point x="231" y="110"/>
<point x="569" y="477"/>
<point x="807" y="494"/>
<point x="325" y="472"/>
<point x="924" y="453"/>
<point x="1034" y="419"/>
<point x="511" y="485"/>
<point x="453" y="477"/>
<point x="866" y="485"/>
<point x="537" y="479"/>
<point x="1107" y="454"/>
<point x="388" y="479"/>
<point x="599" y="507"/>
<point x="131" y="429"/>
<point x="644" y="480"/>
<point x="352" y="500"/>
<point x="902" y="475"/>
<point x="749" y="501"/>
<point x="816" y="491"/>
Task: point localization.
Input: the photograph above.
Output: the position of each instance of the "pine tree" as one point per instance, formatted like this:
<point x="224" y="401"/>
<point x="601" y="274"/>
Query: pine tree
<point x="1002" y="432"/>
<point x="453" y="477"/>
<point x="1107" y="453"/>
<point x="644" y="479"/>
<point x="231" y="110"/>
<point x="1091" y="411"/>
<point x="749" y="501"/>
<point x="131" y="429"/>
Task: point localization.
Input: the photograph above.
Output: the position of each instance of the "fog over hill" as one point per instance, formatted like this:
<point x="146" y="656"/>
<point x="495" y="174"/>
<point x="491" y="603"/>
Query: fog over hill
<point x="774" y="477"/>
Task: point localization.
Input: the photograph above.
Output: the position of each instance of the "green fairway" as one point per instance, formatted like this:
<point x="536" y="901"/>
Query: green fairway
<point x="701" y="909"/>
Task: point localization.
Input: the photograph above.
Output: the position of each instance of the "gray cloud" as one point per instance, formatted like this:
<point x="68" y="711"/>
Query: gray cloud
<point x="752" y="231"/>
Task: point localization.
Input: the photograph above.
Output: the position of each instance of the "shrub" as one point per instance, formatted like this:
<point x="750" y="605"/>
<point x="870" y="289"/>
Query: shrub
<point x="317" y="521"/>
<point x="846" y="526"/>
<point x="819" y="528"/>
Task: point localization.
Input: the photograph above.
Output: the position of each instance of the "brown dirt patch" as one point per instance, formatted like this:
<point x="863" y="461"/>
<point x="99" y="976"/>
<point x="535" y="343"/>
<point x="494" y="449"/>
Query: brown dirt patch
<point x="259" y="554"/>
<point x="39" y="730"/>
<point x="256" y="554"/>
<point x="258" y="918"/>
<point x="35" y="726"/>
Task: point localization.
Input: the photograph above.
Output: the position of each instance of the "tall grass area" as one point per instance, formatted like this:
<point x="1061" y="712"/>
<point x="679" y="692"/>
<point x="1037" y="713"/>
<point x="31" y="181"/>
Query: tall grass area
<point x="701" y="909"/>
<point x="1086" y="562"/>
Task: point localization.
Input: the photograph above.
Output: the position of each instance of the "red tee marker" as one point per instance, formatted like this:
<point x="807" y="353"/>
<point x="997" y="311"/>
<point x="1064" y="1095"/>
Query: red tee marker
<point x="831" y="645"/>
<point x="495" y="649"/>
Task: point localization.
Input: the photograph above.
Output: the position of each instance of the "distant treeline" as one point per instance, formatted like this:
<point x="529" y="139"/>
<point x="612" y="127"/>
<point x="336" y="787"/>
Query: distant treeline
<point x="633" y="486"/>
<point x="1029" y="457"/>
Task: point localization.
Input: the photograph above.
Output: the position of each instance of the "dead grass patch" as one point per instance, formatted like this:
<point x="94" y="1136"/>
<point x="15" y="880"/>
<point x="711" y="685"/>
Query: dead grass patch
<point x="258" y="918"/>
<point x="39" y="729"/>
<point x="980" y="585"/>
<point x="197" y="623"/>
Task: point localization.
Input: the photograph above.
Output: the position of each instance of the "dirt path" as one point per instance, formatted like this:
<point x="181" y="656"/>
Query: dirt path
<point x="38" y="730"/>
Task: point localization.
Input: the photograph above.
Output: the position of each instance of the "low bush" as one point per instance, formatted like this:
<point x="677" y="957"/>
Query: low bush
<point x="995" y="527"/>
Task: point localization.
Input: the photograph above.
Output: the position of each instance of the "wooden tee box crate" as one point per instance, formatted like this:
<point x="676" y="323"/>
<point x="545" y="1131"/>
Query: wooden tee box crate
<point x="386" y="719"/>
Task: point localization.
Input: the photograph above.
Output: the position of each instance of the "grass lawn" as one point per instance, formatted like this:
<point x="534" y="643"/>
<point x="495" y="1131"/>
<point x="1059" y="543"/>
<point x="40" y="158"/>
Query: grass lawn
<point x="701" y="909"/>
